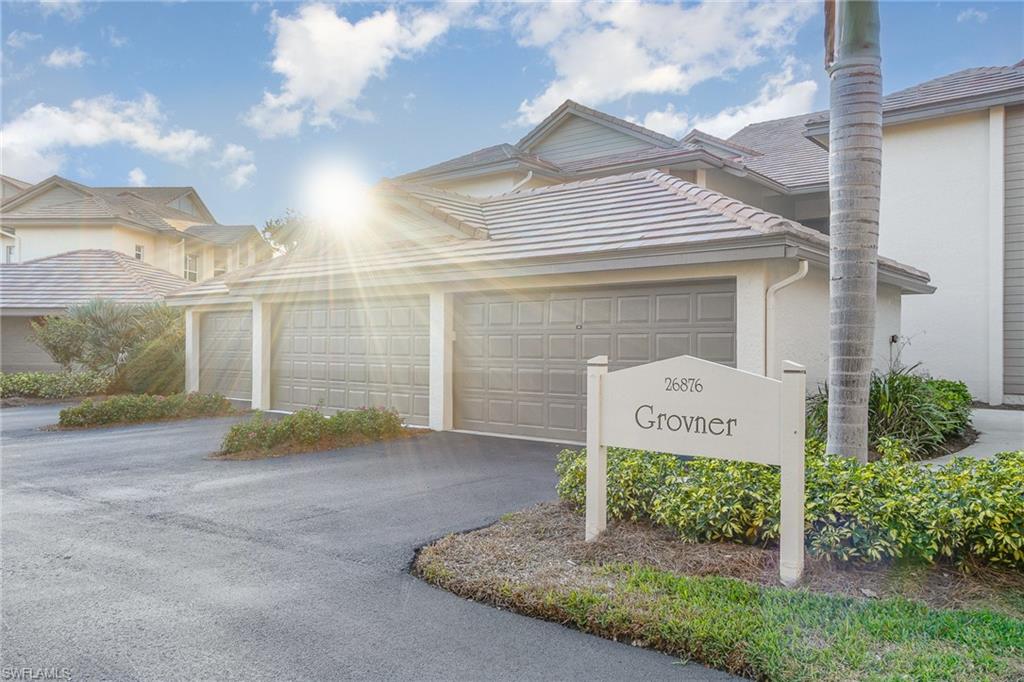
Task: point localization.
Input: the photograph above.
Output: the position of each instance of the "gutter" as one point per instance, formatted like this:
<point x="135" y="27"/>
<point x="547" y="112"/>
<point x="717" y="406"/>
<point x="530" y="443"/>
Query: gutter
<point x="771" y="366"/>
<point x="515" y="187"/>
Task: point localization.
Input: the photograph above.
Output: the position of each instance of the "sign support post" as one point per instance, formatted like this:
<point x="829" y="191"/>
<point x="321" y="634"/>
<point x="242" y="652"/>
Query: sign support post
<point x="791" y="455"/>
<point x="597" y="452"/>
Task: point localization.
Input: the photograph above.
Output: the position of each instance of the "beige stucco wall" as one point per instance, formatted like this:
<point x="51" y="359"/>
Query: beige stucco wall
<point x="39" y="242"/>
<point x="801" y="320"/>
<point x="17" y="353"/>
<point x="934" y="215"/>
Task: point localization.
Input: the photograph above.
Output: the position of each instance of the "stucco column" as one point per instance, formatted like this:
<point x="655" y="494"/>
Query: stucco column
<point x="751" y="285"/>
<point x="996" y="253"/>
<point x="442" y="338"/>
<point x="261" y="327"/>
<point x="191" y="349"/>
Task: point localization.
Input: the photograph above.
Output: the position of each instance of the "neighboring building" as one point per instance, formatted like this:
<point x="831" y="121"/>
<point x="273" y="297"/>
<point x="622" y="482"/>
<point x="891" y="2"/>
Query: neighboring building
<point x="47" y="286"/>
<point x="479" y="287"/>
<point x="167" y="227"/>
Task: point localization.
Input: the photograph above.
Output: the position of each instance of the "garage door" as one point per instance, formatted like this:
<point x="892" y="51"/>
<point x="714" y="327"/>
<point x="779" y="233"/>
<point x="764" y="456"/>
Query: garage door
<point x="351" y="354"/>
<point x="520" y="358"/>
<point x="225" y="356"/>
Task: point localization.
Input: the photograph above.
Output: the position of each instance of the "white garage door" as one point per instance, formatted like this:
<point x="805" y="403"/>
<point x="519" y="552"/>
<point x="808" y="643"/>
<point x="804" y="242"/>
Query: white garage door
<point x="225" y="357"/>
<point x="351" y="354"/>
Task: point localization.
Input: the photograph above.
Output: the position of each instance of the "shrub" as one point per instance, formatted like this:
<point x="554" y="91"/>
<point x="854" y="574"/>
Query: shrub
<point x="158" y="366"/>
<point x="309" y="427"/>
<point x="919" y="411"/>
<point x="140" y="408"/>
<point x="53" y="386"/>
<point x="889" y="509"/>
<point x="61" y="337"/>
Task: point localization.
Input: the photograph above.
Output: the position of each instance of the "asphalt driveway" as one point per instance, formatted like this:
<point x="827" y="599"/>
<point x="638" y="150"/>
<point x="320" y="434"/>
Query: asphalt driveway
<point x="127" y="554"/>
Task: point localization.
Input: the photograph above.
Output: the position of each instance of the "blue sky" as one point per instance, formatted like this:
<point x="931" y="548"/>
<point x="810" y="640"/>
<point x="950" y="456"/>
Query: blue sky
<point x="240" y="100"/>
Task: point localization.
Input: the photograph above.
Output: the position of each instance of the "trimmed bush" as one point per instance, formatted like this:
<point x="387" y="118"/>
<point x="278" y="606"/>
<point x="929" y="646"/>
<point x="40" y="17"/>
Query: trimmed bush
<point x="889" y="509"/>
<point x="158" y="366"/>
<point x="919" y="411"/>
<point x="123" y="409"/>
<point x="309" y="427"/>
<point x="52" y="386"/>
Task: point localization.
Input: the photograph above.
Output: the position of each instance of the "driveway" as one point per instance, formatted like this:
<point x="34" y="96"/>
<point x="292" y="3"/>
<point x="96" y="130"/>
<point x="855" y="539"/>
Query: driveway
<point x="127" y="554"/>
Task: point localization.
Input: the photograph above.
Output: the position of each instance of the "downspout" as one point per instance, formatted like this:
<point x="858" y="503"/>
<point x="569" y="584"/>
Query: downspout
<point x="515" y="187"/>
<point x="771" y="364"/>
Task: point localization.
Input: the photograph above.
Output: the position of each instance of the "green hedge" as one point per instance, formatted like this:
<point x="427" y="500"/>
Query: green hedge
<point x="889" y="509"/>
<point x="54" y="386"/>
<point x="142" y="408"/>
<point x="309" y="427"/>
<point x="920" y="411"/>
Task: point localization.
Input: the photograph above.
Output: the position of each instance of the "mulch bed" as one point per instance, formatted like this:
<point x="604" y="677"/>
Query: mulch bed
<point x="329" y="443"/>
<point x="543" y="546"/>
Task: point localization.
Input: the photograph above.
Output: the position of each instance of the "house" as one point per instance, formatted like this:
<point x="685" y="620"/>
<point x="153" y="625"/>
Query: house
<point x="48" y="286"/>
<point x="167" y="227"/>
<point x="473" y="293"/>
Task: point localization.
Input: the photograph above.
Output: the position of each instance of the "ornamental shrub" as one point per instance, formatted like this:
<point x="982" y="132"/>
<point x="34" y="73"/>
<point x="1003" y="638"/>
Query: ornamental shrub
<point x="122" y="409"/>
<point x="903" y="405"/>
<point x="52" y="386"/>
<point x="158" y="366"/>
<point x="309" y="427"/>
<point x="889" y="509"/>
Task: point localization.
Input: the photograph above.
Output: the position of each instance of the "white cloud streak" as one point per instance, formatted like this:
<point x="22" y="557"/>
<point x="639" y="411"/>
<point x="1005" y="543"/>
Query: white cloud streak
<point x="19" y="39"/>
<point x="326" y="61"/>
<point x="137" y="177"/>
<point x="37" y="140"/>
<point x="66" y="57"/>
<point x="972" y="14"/>
<point x="238" y="160"/>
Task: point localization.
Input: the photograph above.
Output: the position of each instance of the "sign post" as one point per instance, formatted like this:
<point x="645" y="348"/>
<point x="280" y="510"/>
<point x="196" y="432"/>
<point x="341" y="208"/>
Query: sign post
<point x="689" y="406"/>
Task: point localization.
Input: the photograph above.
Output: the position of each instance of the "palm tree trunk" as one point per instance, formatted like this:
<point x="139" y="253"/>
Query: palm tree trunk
<point x="855" y="175"/>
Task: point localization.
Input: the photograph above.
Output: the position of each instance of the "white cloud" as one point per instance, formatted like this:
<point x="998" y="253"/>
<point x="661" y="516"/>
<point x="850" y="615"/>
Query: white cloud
<point x="69" y="10"/>
<point x="19" y="39"/>
<point x="972" y="14"/>
<point x="602" y="52"/>
<point x="326" y="61"/>
<point x="781" y="96"/>
<point x="239" y="162"/>
<point x="137" y="177"/>
<point x="113" y="36"/>
<point x="66" y="57"/>
<point x="35" y="141"/>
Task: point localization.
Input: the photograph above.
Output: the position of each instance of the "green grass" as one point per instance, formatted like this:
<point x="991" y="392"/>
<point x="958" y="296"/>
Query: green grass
<point x="773" y="633"/>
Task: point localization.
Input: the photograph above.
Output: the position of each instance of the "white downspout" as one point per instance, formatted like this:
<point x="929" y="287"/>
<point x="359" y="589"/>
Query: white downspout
<point x="529" y="176"/>
<point x="771" y="364"/>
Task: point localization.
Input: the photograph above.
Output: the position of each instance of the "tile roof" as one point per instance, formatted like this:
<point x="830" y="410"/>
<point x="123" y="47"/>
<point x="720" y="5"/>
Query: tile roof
<point x="481" y="157"/>
<point x="223" y="235"/>
<point x="647" y="210"/>
<point x="79" y="276"/>
<point x="786" y="156"/>
<point x="570" y="106"/>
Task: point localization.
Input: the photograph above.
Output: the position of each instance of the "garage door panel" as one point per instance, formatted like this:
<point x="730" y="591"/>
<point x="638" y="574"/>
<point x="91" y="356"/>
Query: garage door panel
<point x="348" y="355"/>
<point x="225" y="353"/>
<point x="520" y="358"/>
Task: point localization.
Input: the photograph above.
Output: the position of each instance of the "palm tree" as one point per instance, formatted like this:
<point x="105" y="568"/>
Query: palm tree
<point x="853" y="61"/>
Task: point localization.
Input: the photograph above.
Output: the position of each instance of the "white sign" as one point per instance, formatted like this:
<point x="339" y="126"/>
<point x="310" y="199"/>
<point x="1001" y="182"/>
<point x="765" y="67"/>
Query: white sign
<point x="689" y="406"/>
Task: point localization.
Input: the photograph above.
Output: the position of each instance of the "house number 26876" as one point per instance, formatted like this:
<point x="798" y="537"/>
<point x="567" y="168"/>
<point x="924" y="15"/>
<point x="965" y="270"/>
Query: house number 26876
<point x="684" y="384"/>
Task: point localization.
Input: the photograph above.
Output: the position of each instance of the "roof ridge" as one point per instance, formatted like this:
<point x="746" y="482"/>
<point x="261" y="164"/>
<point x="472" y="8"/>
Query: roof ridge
<point x="741" y="212"/>
<point x="632" y="175"/>
<point x="132" y="268"/>
<point x="472" y="231"/>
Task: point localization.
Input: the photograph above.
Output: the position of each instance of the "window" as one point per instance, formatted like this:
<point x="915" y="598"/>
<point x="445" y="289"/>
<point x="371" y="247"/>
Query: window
<point x="192" y="267"/>
<point x="220" y="262"/>
<point x="140" y="252"/>
<point x="243" y="255"/>
<point x="9" y="253"/>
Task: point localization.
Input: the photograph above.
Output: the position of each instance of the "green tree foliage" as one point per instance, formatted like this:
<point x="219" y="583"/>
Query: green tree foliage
<point x="63" y="339"/>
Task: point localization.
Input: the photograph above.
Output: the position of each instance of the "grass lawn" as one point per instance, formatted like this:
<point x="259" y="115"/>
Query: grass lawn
<point x="719" y="604"/>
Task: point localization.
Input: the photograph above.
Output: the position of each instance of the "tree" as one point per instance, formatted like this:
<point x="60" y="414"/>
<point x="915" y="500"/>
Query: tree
<point x="287" y="232"/>
<point x="61" y="337"/>
<point x="853" y="61"/>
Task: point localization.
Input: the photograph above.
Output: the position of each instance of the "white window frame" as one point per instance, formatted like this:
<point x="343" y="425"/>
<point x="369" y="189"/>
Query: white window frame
<point x="192" y="273"/>
<point x="9" y="252"/>
<point x="140" y="252"/>
<point x="243" y="255"/>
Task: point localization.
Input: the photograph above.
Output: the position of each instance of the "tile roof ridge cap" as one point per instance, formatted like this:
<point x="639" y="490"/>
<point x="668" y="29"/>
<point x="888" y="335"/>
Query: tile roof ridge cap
<point x="575" y="184"/>
<point x="739" y="211"/>
<point x="135" y="270"/>
<point x="471" y="231"/>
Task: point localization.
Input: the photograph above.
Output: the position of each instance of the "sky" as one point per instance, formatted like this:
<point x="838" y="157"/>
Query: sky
<point x="247" y="102"/>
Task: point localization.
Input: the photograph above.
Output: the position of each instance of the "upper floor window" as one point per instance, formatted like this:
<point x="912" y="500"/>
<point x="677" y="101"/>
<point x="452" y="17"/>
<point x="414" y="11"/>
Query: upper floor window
<point x="192" y="267"/>
<point x="243" y="256"/>
<point x="9" y="253"/>
<point x="220" y="263"/>
<point x="140" y="252"/>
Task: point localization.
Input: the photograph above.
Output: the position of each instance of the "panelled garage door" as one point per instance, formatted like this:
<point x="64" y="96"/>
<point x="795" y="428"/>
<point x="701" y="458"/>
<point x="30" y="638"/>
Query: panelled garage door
<point x="351" y="354"/>
<point x="225" y="355"/>
<point x="520" y="358"/>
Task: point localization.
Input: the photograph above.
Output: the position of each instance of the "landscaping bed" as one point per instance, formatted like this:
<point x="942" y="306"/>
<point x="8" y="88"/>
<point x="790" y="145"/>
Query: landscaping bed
<point x="33" y="388"/>
<point x="310" y="431"/>
<point x="718" y="603"/>
<point x="134" y="409"/>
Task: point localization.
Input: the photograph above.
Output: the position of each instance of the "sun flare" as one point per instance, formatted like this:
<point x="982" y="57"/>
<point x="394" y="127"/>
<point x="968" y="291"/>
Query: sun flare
<point x="337" y="196"/>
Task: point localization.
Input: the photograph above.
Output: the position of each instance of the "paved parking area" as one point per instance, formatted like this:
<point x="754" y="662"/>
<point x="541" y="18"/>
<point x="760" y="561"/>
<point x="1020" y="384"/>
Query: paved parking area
<point x="128" y="554"/>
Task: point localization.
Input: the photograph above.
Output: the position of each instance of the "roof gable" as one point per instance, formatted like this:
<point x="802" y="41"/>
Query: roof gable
<point x="574" y="110"/>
